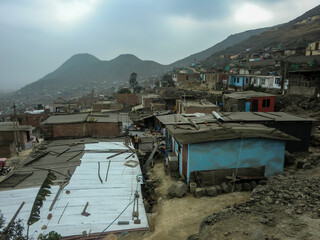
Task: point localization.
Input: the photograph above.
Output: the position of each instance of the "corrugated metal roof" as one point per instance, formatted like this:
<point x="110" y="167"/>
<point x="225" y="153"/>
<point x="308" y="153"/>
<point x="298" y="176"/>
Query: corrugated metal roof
<point x="106" y="200"/>
<point x="247" y="94"/>
<point x="66" y="118"/>
<point x="172" y="119"/>
<point x="213" y="132"/>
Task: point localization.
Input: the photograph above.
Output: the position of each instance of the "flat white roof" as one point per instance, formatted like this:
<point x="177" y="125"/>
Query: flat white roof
<point x="106" y="200"/>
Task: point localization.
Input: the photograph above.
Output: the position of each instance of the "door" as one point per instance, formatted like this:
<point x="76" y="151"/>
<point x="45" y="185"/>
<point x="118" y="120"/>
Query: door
<point x="254" y="105"/>
<point x="247" y="107"/>
<point x="185" y="159"/>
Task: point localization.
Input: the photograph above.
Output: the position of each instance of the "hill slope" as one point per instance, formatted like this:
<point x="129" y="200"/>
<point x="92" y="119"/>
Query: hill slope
<point x="291" y="35"/>
<point x="229" y="41"/>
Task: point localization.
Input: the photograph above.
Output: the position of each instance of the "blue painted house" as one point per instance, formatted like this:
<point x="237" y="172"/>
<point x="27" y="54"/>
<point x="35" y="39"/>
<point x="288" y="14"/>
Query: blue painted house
<point x="239" y="81"/>
<point x="230" y="149"/>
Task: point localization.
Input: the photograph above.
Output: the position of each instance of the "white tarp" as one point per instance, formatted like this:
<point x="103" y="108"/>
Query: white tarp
<point x="106" y="200"/>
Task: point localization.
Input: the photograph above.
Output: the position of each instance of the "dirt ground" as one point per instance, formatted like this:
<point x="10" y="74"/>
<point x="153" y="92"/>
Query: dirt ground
<point x="177" y="218"/>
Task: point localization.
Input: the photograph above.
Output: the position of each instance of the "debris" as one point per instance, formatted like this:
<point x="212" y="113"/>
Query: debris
<point x="84" y="213"/>
<point x="150" y="158"/>
<point x="135" y="211"/>
<point x="177" y="189"/>
<point x="99" y="173"/>
<point x="107" y="170"/>
<point x="44" y="227"/>
<point x="247" y="186"/>
<point x="49" y="216"/>
<point x="40" y="155"/>
<point x="123" y="222"/>
<point x="131" y="163"/>
<point x="258" y="235"/>
<point x="63" y="212"/>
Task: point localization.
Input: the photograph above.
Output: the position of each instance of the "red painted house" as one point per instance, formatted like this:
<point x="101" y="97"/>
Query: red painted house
<point x="248" y="101"/>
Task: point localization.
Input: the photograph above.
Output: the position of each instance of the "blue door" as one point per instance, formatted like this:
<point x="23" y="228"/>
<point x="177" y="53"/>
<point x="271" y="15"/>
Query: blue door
<point x="247" y="107"/>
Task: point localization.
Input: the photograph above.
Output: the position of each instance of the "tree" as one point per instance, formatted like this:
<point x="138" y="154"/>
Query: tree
<point x="133" y="80"/>
<point x="124" y="90"/>
<point x="137" y="89"/>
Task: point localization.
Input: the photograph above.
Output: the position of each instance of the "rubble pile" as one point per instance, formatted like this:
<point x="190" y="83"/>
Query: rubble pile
<point x="290" y="194"/>
<point x="296" y="103"/>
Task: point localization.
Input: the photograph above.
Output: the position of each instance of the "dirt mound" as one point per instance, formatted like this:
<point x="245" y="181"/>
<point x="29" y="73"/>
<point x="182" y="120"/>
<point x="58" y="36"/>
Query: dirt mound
<point x="288" y="207"/>
<point x="297" y="103"/>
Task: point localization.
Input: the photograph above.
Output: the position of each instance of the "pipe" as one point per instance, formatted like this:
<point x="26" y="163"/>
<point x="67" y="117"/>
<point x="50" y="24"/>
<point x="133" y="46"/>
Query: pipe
<point x="217" y="116"/>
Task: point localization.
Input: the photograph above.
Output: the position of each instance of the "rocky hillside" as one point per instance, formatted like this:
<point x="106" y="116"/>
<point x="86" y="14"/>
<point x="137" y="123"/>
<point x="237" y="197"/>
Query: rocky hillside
<point x="291" y="35"/>
<point x="229" y="41"/>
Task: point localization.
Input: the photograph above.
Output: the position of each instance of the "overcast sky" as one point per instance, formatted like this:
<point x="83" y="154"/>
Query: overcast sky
<point x="37" y="36"/>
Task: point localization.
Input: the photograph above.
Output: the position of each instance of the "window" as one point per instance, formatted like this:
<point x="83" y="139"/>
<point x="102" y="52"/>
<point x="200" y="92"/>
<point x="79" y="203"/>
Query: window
<point x="266" y="103"/>
<point x="317" y="46"/>
<point x="263" y="81"/>
<point x="238" y="80"/>
<point x="187" y="77"/>
<point x="277" y="81"/>
<point x="246" y="81"/>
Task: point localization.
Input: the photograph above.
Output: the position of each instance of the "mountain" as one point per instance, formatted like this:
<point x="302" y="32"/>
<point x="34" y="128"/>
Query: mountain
<point x="229" y="41"/>
<point x="82" y="72"/>
<point x="294" y="34"/>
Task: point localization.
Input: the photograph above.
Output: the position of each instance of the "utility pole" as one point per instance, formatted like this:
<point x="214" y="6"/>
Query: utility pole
<point x="16" y="130"/>
<point x="92" y="100"/>
<point x="284" y="64"/>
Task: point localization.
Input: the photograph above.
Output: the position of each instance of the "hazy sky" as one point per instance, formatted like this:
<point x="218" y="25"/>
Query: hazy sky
<point x="37" y="36"/>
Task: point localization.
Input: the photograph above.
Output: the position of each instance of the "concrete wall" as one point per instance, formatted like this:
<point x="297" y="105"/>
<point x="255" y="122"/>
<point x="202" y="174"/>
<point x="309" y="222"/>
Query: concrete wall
<point x="206" y="110"/>
<point x="309" y="91"/>
<point x="226" y="154"/>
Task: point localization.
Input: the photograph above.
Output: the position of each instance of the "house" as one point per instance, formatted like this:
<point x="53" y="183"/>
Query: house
<point x="296" y="126"/>
<point x="248" y="101"/>
<point x="178" y="78"/>
<point x="127" y="99"/>
<point x="82" y="125"/>
<point x="12" y="136"/>
<point x="227" y="150"/>
<point x="239" y="82"/>
<point x="194" y="106"/>
<point x="147" y="99"/>
<point x="106" y="106"/>
<point x="270" y="82"/>
<point x="313" y="49"/>
<point x="305" y="82"/>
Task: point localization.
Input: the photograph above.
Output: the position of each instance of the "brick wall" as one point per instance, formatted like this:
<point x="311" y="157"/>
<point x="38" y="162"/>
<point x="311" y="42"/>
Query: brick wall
<point x="32" y="119"/>
<point x="68" y="130"/>
<point x="127" y="99"/>
<point x="7" y="151"/>
<point x="103" y="129"/>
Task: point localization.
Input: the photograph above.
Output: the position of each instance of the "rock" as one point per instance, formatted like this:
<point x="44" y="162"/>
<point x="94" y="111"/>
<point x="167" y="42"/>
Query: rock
<point x="268" y="199"/>
<point x="263" y="182"/>
<point x="227" y="233"/>
<point x="238" y="187"/>
<point x="177" y="189"/>
<point x="225" y="188"/>
<point x="253" y="184"/>
<point x="212" y="191"/>
<point x="219" y="190"/>
<point x="300" y="164"/>
<point x="258" y="235"/>
<point x="247" y="187"/>
<point x="289" y="158"/>
<point x="199" y="192"/>
<point x="193" y="237"/>
<point x="306" y="166"/>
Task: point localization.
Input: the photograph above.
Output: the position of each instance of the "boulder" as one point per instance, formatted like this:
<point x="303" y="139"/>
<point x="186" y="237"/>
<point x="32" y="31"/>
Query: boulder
<point x="253" y="184"/>
<point x="238" y="187"/>
<point x="212" y="191"/>
<point x="247" y="186"/>
<point x="219" y="190"/>
<point x="178" y="189"/>
<point x="306" y="166"/>
<point x="289" y="158"/>
<point x="199" y="192"/>
<point x="225" y="188"/>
